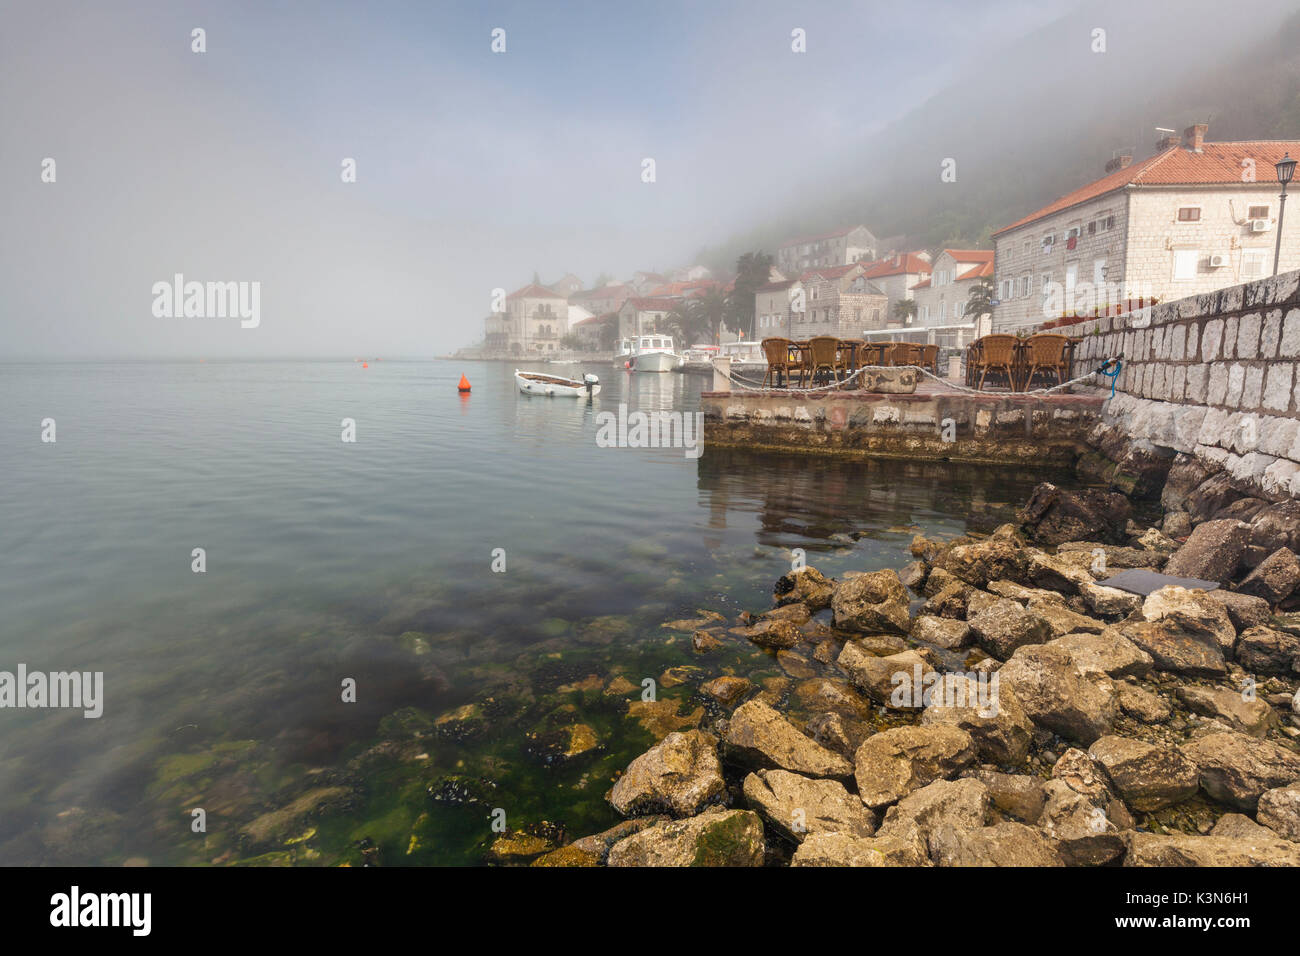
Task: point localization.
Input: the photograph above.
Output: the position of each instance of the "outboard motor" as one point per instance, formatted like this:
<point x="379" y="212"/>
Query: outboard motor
<point x="589" y="380"/>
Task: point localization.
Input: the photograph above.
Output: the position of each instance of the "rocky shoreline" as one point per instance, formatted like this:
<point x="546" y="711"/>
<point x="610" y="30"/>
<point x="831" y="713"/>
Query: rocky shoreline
<point x="992" y="704"/>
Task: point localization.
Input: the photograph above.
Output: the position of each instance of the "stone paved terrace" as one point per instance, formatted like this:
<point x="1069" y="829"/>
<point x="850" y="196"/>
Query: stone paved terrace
<point x="934" y="423"/>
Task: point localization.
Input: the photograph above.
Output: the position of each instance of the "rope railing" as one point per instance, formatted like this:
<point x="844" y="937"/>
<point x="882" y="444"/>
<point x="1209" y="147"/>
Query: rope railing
<point x="1104" y="369"/>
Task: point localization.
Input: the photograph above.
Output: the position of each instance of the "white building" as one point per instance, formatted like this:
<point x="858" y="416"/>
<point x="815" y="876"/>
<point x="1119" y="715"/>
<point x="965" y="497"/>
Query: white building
<point x="941" y="299"/>
<point x="838" y="248"/>
<point x="1195" y="217"/>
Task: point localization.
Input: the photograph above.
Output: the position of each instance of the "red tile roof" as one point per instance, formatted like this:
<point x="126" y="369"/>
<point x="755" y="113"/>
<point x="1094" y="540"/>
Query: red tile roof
<point x="651" y="303"/>
<point x="684" y="288"/>
<point x="979" y="272"/>
<point x="1215" y="164"/>
<point x="970" y="255"/>
<point x="908" y="263"/>
<point x="534" y="291"/>
<point x="831" y="272"/>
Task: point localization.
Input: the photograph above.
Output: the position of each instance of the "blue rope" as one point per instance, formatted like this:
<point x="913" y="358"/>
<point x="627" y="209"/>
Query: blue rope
<point x="1113" y="376"/>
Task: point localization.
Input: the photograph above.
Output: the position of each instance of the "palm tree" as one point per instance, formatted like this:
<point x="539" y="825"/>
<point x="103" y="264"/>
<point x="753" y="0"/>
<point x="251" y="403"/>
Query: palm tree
<point x="709" y="311"/>
<point x="905" y="310"/>
<point x="979" y="302"/>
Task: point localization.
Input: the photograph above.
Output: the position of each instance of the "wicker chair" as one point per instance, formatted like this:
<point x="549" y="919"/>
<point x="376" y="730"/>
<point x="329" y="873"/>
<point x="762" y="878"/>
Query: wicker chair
<point x="780" y="364"/>
<point x="997" y="353"/>
<point x="1046" y="353"/>
<point x="852" y="353"/>
<point x="905" y="353"/>
<point x="930" y="358"/>
<point x="824" y="356"/>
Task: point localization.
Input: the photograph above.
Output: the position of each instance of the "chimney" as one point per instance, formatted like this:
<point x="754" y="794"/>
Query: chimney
<point x="1119" y="162"/>
<point x="1167" y="142"/>
<point x="1194" y="136"/>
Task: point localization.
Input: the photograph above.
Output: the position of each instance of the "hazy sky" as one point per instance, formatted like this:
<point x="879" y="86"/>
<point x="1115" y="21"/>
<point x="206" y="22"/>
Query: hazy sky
<point x="473" y="169"/>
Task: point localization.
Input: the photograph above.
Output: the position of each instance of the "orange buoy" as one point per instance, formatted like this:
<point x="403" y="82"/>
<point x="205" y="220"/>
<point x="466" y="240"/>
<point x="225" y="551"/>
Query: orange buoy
<point x="365" y="365"/>
<point x="464" y="384"/>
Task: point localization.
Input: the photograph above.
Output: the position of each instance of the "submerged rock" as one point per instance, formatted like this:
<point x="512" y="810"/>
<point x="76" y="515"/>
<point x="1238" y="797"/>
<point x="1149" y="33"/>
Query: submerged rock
<point x="807" y="586"/>
<point x="727" y="689"/>
<point x="680" y="775"/>
<point x="716" y="837"/>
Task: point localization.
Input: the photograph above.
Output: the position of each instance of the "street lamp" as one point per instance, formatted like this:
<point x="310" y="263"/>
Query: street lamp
<point x="1285" y="170"/>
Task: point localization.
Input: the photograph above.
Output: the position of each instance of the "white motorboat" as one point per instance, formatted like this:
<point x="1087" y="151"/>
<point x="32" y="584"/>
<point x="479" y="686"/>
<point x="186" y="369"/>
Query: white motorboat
<point x="648" y="353"/>
<point x="535" y="383"/>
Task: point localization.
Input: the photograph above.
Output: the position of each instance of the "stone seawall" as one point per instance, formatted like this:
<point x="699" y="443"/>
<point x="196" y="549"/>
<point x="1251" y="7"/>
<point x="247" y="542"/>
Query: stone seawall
<point x="1212" y="378"/>
<point x="928" y="425"/>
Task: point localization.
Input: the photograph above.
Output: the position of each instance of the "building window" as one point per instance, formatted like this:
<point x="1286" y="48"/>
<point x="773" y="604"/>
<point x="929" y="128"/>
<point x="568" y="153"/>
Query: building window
<point x="1189" y="213"/>
<point x="1026" y="285"/>
<point x="1257" y="212"/>
<point x="1185" y="263"/>
<point x="1253" y="263"/>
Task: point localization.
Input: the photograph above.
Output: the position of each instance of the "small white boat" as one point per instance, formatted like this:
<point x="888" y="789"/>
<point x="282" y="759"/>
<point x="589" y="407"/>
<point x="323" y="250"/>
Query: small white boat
<point x="535" y="383"/>
<point x="648" y="353"/>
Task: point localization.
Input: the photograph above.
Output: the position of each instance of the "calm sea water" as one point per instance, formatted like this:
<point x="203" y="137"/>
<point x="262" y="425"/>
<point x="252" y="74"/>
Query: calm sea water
<point x="372" y="561"/>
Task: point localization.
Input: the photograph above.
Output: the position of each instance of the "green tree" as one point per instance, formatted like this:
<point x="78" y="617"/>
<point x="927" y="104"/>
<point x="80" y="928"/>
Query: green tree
<point x="752" y="270"/>
<point x="905" y="311"/>
<point x="708" y="314"/>
<point x="979" y="302"/>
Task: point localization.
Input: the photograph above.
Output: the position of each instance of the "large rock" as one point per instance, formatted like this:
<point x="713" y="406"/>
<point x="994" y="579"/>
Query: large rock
<point x="1109" y="652"/>
<point x="679" y="775"/>
<point x="806" y="586"/>
<point x="891" y="764"/>
<point x="1018" y="795"/>
<point x="989" y="713"/>
<point x="1109" y="602"/>
<point x="1054" y="516"/>
<point x="1004" y="844"/>
<point x="1276" y="526"/>
<point x="872" y="603"/>
<point x="1279" y="810"/>
<point x="1057" y="695"/>
<point x="1237" y="769"/>
<point x="942" y="632"/>
<point x="1172" y="649"/>
<point x="1275" y="578"/>
<point x="716" y="837"/>
<point x="1066" y="573"/>
<point x="774" y="634"/>
<point x="1262" y="650"/>
<point x="799" y="807"/>
<point x="594" y="850"/>
<point x="1212" y="553"/>
<point x="1194" y="612"/>
<point x="1185" y="474"/>
<point x="891" y="680"/>
<point x="1210" y="497"/>
<point x="1005" y="626"/>
<point x="759" y="737"/>
<point x="1253" y="717"/>
<point x="1244" y="611"/>
<point x="843" y="849"/>
<point x="1238" y="826"/>
<point x="1180" y="849"/>
<point x="1084" y="831"/>
<point x="961" y="804"/>
<point x="984" y="561"/>
<point x="1147" y="777"/>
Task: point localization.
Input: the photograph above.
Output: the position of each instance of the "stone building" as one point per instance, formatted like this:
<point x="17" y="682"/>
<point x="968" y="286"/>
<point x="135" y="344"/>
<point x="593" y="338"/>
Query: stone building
<point x="941" y="299"/>
<point x="837" y="248"/>
<point x="896" y="275"/>
<point x="640" y="315"/>
<point x="837" y="300"/>
<point x="607" y="298"/>
<point x="566" y="285"/>
<point x="1195" y="217"/>
<point x="535" y="320"/>
<point x="773" y="316"/>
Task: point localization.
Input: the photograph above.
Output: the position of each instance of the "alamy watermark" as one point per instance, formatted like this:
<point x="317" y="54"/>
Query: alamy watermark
<point x="208" y="300"/>
<point x="651" y="430"/>
<point x="57" y="689"/>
